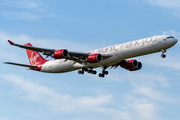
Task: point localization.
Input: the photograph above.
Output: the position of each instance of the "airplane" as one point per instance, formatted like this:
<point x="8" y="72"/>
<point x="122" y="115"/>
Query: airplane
<point x="108" y="57"/>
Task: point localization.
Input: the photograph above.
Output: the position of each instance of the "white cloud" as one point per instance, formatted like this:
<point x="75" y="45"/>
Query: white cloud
<point x="58" y="101"/>
<point x="26" y="4"/>
<point x="173" y="6"/>
<point x="143" y="109"/>
<point x="66" y="103"/>
<point x="25" y="10"/>
<point x="165" y="3"/>
<point x="153" y="94"/>
<point x="148" y="79"/>
<point x="133" y="109"/>
<point x="21" y="3"/>
<point x="140" y="108"/>
<point x="145" y="85"/>
<point x="138" y="78"/>
<point x="19" y="15"/>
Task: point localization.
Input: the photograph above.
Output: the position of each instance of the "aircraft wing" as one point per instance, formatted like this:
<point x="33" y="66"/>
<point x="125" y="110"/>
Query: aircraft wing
<point x="75" y="56"/>
<point x="23" y="65"/>
<point x="42" y="50"/>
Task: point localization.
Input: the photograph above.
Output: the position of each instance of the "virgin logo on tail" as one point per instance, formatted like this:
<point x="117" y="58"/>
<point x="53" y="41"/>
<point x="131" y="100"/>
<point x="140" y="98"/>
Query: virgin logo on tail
<point x="33" y="58"/>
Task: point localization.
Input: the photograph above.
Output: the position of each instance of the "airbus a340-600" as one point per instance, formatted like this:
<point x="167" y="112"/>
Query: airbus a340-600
<point x="108" y="57"/>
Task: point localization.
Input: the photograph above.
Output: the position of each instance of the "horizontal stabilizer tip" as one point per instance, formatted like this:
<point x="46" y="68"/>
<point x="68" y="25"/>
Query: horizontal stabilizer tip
<point x="11" y="42"/>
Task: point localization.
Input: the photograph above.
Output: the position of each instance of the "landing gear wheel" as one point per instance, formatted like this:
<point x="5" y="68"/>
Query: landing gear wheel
<point x="94" y="72"/>
<point x="106" y="72"/>
<point x="101" y="75"/>
<point x="163" y="55"/>
<point x="88" y="70"/>
<point x="80" y="72"/>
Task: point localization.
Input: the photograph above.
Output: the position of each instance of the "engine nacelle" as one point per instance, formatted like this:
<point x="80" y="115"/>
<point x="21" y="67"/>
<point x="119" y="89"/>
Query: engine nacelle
<point x="139" y="66"/>
<point x="58" y="54"/>
<point x="94" y="58"/>
<point x="132" y="65"/>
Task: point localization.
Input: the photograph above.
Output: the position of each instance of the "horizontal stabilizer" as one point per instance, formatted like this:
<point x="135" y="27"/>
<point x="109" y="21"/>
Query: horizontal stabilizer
<point x="23" y="65"/>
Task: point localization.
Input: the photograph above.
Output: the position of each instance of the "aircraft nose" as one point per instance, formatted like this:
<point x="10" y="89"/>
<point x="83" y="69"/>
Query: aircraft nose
<point x="175" y="40"/>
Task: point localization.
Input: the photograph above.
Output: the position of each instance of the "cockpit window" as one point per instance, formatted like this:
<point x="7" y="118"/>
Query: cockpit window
<point x="170" y="37"/>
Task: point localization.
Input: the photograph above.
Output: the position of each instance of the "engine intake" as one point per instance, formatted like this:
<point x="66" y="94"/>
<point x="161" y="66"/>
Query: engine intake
<point x="94" y="58"/>
<point x="58" y="54"/>
<point x="139" y="66"/>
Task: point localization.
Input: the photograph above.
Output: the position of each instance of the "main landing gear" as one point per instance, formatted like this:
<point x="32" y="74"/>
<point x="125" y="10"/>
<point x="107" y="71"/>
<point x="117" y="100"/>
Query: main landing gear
<point x="104" y="72"/>
<point x="88" y="70"/>
<point x="91" y="71"/>
<point x="163" y="55"/>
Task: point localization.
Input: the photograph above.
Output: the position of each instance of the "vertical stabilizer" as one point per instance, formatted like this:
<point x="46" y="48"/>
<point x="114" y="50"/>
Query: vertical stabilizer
<point x="34" y="57"/>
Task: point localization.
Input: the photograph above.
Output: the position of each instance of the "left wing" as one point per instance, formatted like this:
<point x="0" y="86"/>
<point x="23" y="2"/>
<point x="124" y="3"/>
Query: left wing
<point x="79" y="57"/>
<point x="44" y="51"/>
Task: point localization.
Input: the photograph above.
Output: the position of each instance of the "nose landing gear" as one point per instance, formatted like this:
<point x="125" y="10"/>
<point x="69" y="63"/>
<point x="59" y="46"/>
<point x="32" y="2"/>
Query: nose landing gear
<point x="163" y="55"/>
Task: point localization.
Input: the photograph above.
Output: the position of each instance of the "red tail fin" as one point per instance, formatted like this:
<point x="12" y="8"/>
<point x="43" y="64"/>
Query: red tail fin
<point x="34" y="57"/>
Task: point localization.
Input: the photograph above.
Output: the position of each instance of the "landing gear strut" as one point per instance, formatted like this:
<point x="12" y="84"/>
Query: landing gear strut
<point x="104" y="72"/>
<point x="163" y="55"/>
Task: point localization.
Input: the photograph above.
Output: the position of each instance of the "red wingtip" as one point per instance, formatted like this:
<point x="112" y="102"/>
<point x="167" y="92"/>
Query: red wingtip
<point x="11" y="42"/>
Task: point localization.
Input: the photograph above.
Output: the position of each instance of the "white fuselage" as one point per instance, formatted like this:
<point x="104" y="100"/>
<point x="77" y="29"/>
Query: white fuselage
<point x="119" y="52"/>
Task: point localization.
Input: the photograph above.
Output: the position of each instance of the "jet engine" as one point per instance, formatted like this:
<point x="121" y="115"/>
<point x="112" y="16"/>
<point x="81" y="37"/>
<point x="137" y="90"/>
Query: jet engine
<point x="139" y="66"/>
<point x="58" y="54"/>
<point x="131" y="65"/>
<point x="94" y="58"/>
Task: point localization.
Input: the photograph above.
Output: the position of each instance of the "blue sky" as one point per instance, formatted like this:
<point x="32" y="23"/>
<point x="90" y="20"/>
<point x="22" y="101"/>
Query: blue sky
<point x="152" y="93"/>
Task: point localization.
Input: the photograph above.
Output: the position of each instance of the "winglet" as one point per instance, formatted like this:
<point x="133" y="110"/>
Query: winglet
<point x="11" y="42"/>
